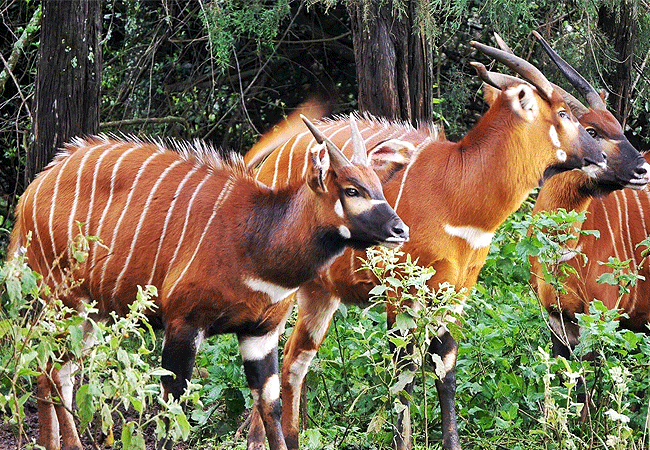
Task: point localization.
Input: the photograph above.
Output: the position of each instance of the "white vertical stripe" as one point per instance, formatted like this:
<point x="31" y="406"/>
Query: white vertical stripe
<point x="185" y="222"/>
<point x="73" y="213"/>
<point x="636" y="194"/>
<point x="118" y="225"/>
<point x="138" y="227"/>
<point x="621" y="228"/>
<point x="414" y="157"/>
<point x="92" y="197"/>
<point x="168" y="217"/>
<point x="223" y="196"/>
<point x="55" y="193"/>
<point x="611" y="231"/>
<point x="107" y="207"/>
<point x="37" y="234"/>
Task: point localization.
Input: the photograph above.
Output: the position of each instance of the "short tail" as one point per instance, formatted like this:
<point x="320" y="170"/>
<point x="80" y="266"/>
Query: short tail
<point x="315" y="107"/>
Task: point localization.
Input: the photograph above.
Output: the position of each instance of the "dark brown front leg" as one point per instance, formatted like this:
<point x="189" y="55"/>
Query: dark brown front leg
<point x="447" y="348"/>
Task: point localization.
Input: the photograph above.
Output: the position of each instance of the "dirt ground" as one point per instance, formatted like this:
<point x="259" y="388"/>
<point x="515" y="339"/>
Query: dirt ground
<point x="9" y="439"/>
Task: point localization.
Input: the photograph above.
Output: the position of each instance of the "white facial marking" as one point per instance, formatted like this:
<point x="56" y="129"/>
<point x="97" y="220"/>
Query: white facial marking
<point x="338" y="208"/>
<point x="592" y="170"/>
<point x="475" y="237"/>
<point x="554" y="138"/>
<point x="275" y="292"/>
<point x="271" y="389"/>
<point x="377" y="202"/>
<point x="345" y="232"/>
<point x="561" y="155"/>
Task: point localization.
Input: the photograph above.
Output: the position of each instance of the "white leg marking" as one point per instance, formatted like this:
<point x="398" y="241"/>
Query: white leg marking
<point x="457" y="310"/>
<point x="475" y="237"/>
<point x="67" y="383"/>
<point x="271" y="389"/>
<point x="256" y="348"/>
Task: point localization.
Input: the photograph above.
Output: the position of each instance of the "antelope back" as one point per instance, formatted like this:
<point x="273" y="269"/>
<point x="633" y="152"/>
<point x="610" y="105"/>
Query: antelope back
<point x="147" y="204"/>
<point x="162" y="215"/>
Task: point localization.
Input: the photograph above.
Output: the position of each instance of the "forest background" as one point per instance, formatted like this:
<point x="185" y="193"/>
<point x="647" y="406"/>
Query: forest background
<point x="227" y="70"/>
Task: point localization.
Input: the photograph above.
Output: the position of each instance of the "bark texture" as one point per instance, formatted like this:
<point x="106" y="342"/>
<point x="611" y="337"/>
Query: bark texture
<point x="394" y="62"/>
<point x="68" y="78"/>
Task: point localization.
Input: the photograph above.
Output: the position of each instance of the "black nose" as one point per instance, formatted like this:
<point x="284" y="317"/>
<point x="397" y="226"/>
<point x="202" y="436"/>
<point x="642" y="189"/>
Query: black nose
<point x="640" y="171"/>
<point x="400" y="229"/>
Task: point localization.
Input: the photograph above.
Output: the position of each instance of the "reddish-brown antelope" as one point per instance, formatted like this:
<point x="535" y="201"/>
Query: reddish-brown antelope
<point x="455" y="195"/>
<point x="223" y="249"/>
<point x="620" y="218"/>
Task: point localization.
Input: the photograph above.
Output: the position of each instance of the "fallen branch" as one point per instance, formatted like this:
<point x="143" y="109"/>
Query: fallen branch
<point x="145" y="121"/>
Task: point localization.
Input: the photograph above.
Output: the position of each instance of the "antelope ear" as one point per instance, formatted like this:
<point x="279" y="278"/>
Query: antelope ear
<point x="523" y="102"/>
<point x="389" y="157"/>
<point x="318" y="165"/>
<point x="490" y="93"/>
<point x="604" y="95"/>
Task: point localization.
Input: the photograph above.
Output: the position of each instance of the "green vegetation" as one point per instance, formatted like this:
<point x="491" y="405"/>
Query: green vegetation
<point x="511" y="393"/>
<point x="225" y="73"/>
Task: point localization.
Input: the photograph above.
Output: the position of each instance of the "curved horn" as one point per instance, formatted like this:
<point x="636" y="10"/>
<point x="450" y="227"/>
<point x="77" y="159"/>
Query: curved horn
<point x="500" y="81"/>
<point x="519" y="65"/>
<point x="577" y="80"/>
<point x="337" y="158"/>
<point x="502" y="44"/>
<point x="359" y="154"/>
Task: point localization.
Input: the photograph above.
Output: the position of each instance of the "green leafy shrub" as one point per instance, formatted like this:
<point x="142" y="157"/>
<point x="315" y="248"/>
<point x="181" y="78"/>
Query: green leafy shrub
<point x="119" y="387"/>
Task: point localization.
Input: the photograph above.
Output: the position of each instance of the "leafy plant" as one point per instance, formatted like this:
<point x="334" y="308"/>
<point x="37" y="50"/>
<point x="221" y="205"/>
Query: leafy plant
<point x="118" y="384"/>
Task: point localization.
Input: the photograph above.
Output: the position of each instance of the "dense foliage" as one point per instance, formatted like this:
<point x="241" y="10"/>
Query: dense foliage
<point x="228" y="70"/>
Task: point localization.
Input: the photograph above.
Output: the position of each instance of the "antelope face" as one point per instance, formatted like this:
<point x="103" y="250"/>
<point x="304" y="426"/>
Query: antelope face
<point x="361" y="214"/>
<point x="626" y="168"/>
<point x="367" y="218"/>
<point x="572" y="146"/>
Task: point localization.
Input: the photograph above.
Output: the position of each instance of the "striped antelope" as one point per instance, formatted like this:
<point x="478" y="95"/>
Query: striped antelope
<point x="620" y="218"/>
<point x="223" y="249"/>
<point x="455" y="196"/>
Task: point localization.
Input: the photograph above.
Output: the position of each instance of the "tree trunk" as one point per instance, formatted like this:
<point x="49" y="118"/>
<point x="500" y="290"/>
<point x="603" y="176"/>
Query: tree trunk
<point x="68" y="78"/>
<point x="394" y="63"/>
<point x="622" y="29"/>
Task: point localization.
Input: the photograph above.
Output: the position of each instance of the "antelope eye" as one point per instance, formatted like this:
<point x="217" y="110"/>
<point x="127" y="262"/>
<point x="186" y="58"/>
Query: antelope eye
<point x="563" y="114"/>
<point x="592" y="132"/>
<point x="352" y="192"/>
